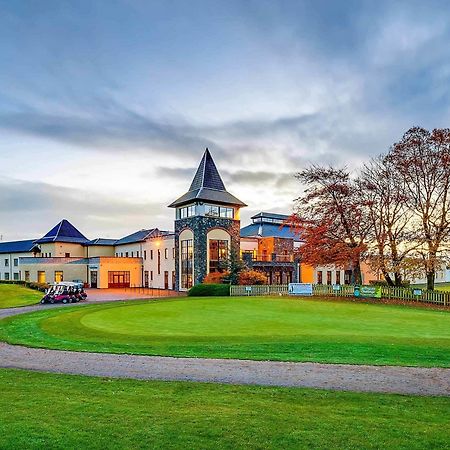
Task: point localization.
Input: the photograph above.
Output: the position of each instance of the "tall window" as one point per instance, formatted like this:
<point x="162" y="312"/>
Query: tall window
<point x="186" y="211"/>
<point x="41" y="276"/>
<point x="159" y="261"/>
<point x="319" y="277"/>
<point x="166" y="253"/>
<point x="16" y="262"/>
<point x="328" y="276"/>
<point x="59" y="276"/>
<point x="218" y="255"/>
<point x="338" y="277"/>
<point x="187" y="263"/>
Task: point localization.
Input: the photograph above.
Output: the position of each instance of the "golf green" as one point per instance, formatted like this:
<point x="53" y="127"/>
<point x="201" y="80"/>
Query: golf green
<point x="245" y="328"/>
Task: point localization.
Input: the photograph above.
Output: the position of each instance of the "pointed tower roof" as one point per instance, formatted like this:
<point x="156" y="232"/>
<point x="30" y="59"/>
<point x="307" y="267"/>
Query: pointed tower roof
<point x="64" y="231"/>
<point x="208" y="186"/>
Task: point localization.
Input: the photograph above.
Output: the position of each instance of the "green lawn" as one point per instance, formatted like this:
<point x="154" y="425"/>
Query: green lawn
<point x="246" y="328"/>
<point x="65" y="411"/>
<point x="12" y="295"/>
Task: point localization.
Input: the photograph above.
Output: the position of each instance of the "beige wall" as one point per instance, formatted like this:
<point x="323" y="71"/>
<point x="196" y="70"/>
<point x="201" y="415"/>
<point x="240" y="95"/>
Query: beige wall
<point x="70" y="271"/>
<point x="99" y="250"/>
<point x="59" y="249"/>
<point x="132" y="265"/>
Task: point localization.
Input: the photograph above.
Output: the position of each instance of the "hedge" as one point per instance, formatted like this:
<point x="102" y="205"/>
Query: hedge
<point x="29" y="284"/>
<point x="209" y="290"/>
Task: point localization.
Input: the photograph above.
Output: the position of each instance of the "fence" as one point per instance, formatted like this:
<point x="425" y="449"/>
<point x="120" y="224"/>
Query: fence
<point x="406" y="294"/>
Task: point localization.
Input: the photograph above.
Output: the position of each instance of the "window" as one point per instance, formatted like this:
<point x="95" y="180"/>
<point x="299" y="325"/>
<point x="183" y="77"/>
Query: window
<point x="6" y="276"/>
<point x="173" y="279"/>
<point x="132" y="254"/>
<point x="137" y="254"/>
<point x="219" y="211"/>
<point x="126" y="254"/>
<point x="186" y="211"/>
<point x="67" y="255"/>
<point x="6" y="262"/>
<point x="338" y="277"/>
<point x="59" y="276"/>
<point x="16" y="276"/>
<point x="151" y="254"/>
<point x="145" y="254"/>
<point x="166" y="253"/>
<point x="328" y="276"/>
<point x="146" y="278"/>
<point x="27" y="275"/>
<point x="16" y="262"/>
<point x="159" y="261"/>
<point x="49" y="255"/>
<point x="173" y="253"/>
<point x="151" y="275"/>
<point x="187" y="263"/>
<point x="41" y="276"/>
<point x="218" y="255"/>
<point x="319" y="277"/>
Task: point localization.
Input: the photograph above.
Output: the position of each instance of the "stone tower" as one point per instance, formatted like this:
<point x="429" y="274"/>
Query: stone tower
<point x="207" y="226"/>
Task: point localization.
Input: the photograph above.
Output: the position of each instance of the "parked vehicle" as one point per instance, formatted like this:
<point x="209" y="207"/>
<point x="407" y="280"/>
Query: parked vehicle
<point x="64" y="292"/>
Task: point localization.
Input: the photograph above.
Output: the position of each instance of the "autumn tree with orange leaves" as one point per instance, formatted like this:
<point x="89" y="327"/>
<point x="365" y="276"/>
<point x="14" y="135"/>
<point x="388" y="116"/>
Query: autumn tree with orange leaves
<point x="330" y="219"/>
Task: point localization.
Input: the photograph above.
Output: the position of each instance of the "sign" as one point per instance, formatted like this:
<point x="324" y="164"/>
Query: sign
<point x="417" y="292"/>
<point x="248" y="289"/>
<point x="336" y="287"/>
<point x="368" y="291"/>
<point x="300" y="289"/>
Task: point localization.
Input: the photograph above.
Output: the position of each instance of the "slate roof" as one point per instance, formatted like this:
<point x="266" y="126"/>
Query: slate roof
<point x="64" y="231"/>
<point x="102" y="241"/>
<point x="141" y="235"/>
<point x="17" y="246"/>
<point x="208" y="186"/>
<point x="268" y="230"/>
<point x="263" y="226"/>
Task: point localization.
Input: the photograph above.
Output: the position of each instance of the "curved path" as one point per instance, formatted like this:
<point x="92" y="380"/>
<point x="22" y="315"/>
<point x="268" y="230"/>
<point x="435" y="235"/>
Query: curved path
<point x="390" y="379"/>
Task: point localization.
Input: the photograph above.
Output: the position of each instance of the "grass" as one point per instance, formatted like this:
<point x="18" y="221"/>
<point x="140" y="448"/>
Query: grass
<point x="443" y="287"/>
<point x="12" y="295"/>
<point x="245" y="328"/>
<point x="65" y="411"/>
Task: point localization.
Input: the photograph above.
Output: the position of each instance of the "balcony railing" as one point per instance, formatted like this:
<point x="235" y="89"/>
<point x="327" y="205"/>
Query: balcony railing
<point x="273" y="257"/>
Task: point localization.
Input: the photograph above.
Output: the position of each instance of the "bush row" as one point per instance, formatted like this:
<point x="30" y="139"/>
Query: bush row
<point x="29" y="284"/>
<point x="209" y="290"/>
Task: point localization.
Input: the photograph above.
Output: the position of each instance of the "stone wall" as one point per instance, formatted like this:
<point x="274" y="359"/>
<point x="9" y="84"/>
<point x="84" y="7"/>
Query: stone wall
<point x="200" y="225"/>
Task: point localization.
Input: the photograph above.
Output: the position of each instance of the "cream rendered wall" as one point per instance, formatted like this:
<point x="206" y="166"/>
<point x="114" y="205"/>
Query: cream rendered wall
<point x="121" y="250"/>
<point x="249" y="244"/>
<point x="10" y="268"/>
<point x="113" y="264"/>
<point x="162" y="244"/>
<point x="100" y="250"/>
<point x="59" y="249"/>
<point x="214" y="234"/>
<point x="70" y="271"/>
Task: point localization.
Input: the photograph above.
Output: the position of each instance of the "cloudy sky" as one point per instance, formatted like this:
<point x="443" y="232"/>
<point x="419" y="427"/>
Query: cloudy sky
<point x="106" y="106"/>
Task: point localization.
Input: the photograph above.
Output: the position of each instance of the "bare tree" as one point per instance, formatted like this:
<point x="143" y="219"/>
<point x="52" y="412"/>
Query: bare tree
<point x="422" y="160"/>
<point x="392" y="236"/>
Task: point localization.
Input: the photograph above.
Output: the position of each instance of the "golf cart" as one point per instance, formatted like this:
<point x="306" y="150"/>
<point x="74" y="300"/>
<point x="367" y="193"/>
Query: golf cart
<point x="64" y="292"/>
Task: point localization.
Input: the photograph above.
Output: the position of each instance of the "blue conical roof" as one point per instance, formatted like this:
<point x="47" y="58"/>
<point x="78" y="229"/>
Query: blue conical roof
<point x="64" y="231"/>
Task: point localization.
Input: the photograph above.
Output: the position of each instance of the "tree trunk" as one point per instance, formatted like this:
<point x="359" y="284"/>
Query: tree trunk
<point x="356" y="272"/>
<point x="398" y="279"/>
<point x="388" y="279"/>
<point x="430" y="280"/>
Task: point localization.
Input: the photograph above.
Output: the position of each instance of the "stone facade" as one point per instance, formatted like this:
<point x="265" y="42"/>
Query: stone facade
<point x="200" y="226"/>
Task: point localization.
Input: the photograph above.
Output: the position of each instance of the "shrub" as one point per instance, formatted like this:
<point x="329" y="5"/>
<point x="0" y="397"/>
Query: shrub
<point x="215" y="278"/>
<point x="251" y="277"/>
<point x="209" y="290"/>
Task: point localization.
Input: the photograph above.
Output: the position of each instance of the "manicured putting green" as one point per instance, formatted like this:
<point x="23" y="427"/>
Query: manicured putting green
<point x="64" y="411"/>
<point x="12" y="295"/>
<point x="246" y="328"/>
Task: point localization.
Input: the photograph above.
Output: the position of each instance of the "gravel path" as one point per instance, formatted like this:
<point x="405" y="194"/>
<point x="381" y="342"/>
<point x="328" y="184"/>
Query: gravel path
<point x="402" y="380"/>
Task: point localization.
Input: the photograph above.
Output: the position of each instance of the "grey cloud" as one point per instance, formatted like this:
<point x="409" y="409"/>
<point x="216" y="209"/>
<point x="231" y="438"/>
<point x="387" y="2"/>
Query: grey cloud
<point x="34" y="207"/>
